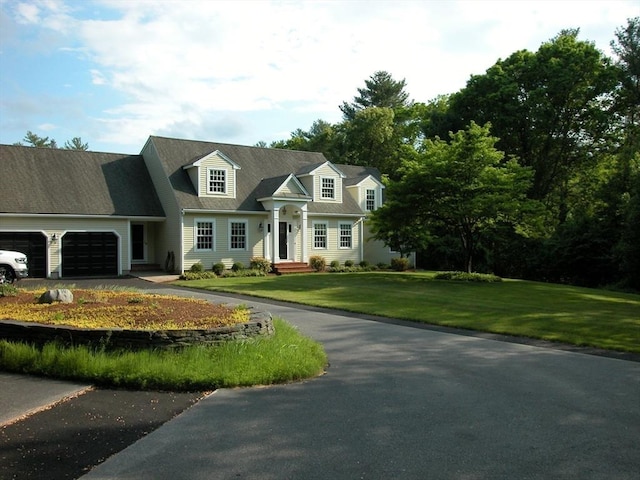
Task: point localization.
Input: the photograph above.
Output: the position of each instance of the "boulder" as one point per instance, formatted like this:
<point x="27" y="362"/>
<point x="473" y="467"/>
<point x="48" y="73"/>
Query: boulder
<point x="62" y="295"/>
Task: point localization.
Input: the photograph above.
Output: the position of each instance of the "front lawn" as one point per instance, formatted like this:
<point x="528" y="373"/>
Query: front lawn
<point x="573" y="315"/>
<point x="287" y="356"/>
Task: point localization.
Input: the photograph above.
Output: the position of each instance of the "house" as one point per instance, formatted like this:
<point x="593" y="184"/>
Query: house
<point x="181" y="202"/>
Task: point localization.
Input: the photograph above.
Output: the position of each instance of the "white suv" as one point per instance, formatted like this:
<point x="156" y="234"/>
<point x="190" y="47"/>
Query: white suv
<point x="13" y="266"/>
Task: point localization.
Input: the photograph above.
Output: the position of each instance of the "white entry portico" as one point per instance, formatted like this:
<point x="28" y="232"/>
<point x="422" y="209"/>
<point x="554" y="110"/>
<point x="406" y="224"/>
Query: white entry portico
<point x="284" y="231"/>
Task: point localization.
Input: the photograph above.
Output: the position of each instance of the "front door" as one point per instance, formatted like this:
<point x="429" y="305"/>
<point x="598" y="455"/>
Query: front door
<point x="137" y="243"/>
<point x="283" y="233"/>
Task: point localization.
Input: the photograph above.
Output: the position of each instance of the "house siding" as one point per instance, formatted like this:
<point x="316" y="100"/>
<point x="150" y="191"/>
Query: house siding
<point x="289" y="188"/>
<point x="333" y="250"/>
<point x="168" y="233"/>
<point x="203" y="180"/>
<point x="326" y="172"/>
<point x="222" y="253"/>
<point x="359" y="193"/>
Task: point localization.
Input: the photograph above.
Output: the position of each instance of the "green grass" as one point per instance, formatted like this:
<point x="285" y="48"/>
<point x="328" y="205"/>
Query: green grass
<point x="573" y="315"/>
<point x="284" y="357"/>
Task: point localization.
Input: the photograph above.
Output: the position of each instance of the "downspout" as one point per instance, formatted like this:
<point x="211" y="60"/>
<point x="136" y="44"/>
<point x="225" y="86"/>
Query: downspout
<point x="181" y="241"/>
<point x="361" y="235"/>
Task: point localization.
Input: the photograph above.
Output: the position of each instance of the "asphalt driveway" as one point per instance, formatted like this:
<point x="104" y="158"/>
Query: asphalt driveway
<point x="400" y="402"/>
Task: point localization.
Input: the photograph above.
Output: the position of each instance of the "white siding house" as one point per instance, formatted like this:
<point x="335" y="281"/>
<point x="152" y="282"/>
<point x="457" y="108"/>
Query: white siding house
<point x="181" y="202"/>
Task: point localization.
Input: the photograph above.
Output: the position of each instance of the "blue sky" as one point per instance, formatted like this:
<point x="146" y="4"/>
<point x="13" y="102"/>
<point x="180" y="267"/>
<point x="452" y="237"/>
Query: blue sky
<point x="114" y="72"/>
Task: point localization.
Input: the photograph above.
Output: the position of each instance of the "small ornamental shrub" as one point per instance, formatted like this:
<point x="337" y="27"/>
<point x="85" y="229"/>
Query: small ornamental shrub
<point x="364" y="264"/>
<point x="218" y="268"/>
<point x="400" y="264"/>
<point x="245" y="272"/>
<point x="318" y="263"/>
<point x="8" y="290"/>
<point x="197" y="268"/>
<point x="348" y="263"/>
<point x="197" y="275"/>
<point x="467" y="277"/>
<point x="237" y="266"/>
<point x="261" y="264"/>
<point x="382" y="266"/>
<point x="335" y="264"/>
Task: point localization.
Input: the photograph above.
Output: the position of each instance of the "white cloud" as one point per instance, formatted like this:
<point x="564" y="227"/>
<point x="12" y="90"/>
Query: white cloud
<point x="47" y="127"/>
<point x="27" y="13"/>
<point x="197" y="66"/>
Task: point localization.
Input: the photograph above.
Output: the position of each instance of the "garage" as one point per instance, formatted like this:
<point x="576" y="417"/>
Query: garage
<point x="89" y="254"/>
<point x="33" y="245"/>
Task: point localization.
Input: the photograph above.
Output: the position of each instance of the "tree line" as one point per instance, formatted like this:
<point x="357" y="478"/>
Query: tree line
<point x="532" y="170"/>
<point x="33" y="140"/>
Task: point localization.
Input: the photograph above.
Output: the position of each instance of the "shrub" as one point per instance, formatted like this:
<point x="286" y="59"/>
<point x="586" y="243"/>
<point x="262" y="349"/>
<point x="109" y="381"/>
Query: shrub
<point x="348" y="263"/>
<point x="237" y="266"/>
<point x="8" y="290"/>
<point x="197" y="268"/>
<point x="197" y="275"/>
<point x="364" y="264"/>
<point x="218" y="268"/>
<point x="318" y="263"/>
<point x="261" y="264"/>
<point x="467" y="277"/>
<point x="382" y="266"/>
<point x="334" y="264"/>
<point x="246" y="272"/>
<point x="400" y="264"/>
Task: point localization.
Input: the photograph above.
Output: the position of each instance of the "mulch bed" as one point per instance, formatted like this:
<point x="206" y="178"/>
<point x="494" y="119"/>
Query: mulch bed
<point x="67" y="440"/>
<point x="137" y="310"/>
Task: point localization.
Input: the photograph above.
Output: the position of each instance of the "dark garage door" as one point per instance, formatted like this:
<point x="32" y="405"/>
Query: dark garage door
<point x="89" y="254"/>
<point x="33" y="245"/>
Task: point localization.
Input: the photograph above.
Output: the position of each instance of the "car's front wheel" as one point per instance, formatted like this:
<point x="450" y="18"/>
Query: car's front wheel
<point x="7" y="275"/>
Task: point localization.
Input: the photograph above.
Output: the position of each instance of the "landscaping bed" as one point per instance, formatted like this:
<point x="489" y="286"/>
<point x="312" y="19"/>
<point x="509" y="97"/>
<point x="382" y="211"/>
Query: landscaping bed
<point x="120" y="309"/>
<point x="129" y="320"/>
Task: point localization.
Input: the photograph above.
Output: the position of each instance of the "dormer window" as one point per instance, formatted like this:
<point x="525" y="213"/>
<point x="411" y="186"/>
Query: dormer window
<point x="217" y="181"/>
<point x="370" y="203"/>
<point x="328" y="189"/>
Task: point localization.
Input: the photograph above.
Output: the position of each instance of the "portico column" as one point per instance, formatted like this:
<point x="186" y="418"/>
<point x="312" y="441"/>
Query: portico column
<point x="305" y="234"/>
<point x="275" y="234"/>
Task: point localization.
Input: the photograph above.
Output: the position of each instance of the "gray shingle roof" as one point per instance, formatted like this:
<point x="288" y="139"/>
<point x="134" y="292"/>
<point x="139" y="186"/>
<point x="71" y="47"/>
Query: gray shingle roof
<point x="260" y="170"/>
<point x="56" y="181"/>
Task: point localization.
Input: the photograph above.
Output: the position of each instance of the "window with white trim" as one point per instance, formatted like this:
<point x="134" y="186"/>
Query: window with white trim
<point x="238" y="235"/>
<point x="204" y="238"/>
<point x="328" y="188"/>
<point x="344" y="240"/>
<point x="370" y="203"/>
<point x="217" y="181"/>
<point x="319" y="235"/>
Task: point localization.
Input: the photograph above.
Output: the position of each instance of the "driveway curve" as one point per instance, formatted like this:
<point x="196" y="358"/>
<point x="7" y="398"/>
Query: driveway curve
<point x="405" y="403"/>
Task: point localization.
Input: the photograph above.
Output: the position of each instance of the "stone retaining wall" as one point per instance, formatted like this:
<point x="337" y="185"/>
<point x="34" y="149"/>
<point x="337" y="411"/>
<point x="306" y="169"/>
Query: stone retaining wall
<point x="260" y="324"/>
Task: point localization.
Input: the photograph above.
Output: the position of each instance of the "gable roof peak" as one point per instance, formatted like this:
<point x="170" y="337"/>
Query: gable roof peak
<point x="215" y="153"/>
<point x="312" y="168"/>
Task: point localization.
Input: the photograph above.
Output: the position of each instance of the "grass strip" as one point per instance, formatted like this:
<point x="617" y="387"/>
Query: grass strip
<point x="568" y="314"/>
<point x="286" y="356"/>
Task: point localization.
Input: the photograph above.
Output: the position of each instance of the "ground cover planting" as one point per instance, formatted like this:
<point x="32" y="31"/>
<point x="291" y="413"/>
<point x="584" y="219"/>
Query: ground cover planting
<point x="561" y="313"/>
<point x="104" y="308"/>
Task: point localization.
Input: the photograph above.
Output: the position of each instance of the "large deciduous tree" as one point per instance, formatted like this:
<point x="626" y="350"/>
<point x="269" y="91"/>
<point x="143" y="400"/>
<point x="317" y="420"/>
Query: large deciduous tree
<point x="464" y="187"/>
<point x="625" y="186"/>
<point x="548" y="109"/>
